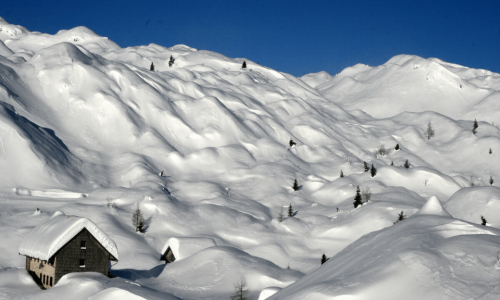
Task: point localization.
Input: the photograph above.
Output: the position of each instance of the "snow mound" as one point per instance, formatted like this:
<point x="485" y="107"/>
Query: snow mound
<point x="55" y="232"/>
<point x="471" y="203"/>
<point x="115" y="294"/>
<point x="185" y="247"/>
<point x="423" y="257"/>
<point x="433" y="207"/>
<point x="226" y="265"/>
<point x="268" y="292"/>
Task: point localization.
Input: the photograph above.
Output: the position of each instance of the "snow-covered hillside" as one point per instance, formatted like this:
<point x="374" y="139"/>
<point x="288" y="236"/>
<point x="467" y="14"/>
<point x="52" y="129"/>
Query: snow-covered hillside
<point x="87" y="128"/>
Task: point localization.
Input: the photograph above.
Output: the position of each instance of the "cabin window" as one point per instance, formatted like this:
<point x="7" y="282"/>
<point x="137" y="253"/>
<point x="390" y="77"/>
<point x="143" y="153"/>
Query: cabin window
<point x="82" y="245"/>
<point x="82" y="263"/>
<point x="43" y="281"/>
<point x="50" y="281"/>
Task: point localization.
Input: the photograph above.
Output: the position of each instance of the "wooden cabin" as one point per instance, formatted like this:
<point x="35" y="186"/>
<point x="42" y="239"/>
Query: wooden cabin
<point x="66" y="244"/>
<point x="180" y="248"/>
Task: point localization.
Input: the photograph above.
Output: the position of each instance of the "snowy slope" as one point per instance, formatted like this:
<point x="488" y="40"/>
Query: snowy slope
<point x="87" y="128"/>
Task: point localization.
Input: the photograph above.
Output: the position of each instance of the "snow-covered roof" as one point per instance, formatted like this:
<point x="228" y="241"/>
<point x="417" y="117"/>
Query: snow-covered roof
<point x="52" y="234"/>
<point x="184" y="247"/>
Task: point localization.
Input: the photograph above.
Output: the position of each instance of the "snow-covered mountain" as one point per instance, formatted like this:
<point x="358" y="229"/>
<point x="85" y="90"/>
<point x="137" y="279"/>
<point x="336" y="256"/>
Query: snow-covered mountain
<point x="86" y="127"/>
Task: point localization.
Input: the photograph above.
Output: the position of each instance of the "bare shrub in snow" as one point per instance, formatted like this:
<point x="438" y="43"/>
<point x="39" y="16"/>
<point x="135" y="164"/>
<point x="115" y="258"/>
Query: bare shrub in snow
<point x="366" y="166"/>
<point x="483" y="221"/>
<point x="381" y="151"/>
<point x="491" y="180"/>
<point x="341" y="174"/>
<point x="281" y="214"/>
<point x="407" y="164"/>
<point x="112" y="204"/>
<point x="292" y="143"/>
<point x="350" y="158"/>
<point x="490" y="151"/>
<point x="241" y="290"/>
<point x="138" y="219"/>
<point x="429" y="132"/>
<point x="401" y="217"/>
<point x="366" y="194"/>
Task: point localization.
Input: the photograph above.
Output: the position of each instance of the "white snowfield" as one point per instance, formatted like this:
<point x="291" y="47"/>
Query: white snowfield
<point x="55" y="232"/>
<point x="86" y="128"/>
<point x="185" y="247"/>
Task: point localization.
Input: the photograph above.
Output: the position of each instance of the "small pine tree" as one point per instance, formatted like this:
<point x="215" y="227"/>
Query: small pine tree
<point x="244" y="65"/>
<point x="491" y="180"/>
<point x="483" y="221"/>
<point x="292" y="143"/>
<point x="323" y="258"/>
<point x="397" y="147"/>
<point x="490" y="151"/>
<point x="138" y="219"/>
<point x="429" y="132"/>
<point x="341" y="173"/>
<point x="392" y="163"/>
<point x="241" y="290"/>
<point x="407" y="164"/>
<point x="474" y="127"/>
<point x="171" y="61"/>
<point x="366" y="166"/>
<point x="152" y="68"/>
<point x="357" y="199"/>
<point x="373" y="171"/>
<point x="401" y="217"/>
<point x="290" y="210"/>
<point x="295" y="186"/>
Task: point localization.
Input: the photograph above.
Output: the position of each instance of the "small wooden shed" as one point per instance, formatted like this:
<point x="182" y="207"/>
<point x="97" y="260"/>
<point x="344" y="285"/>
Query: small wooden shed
<point x="180" y="248"/>
<point x="65" y="244"/>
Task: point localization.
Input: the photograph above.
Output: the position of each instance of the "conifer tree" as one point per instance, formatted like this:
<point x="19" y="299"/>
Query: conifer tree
<point x="491" y="180"/>
<point x="373" y="171"/>
<point x="323" y="258"/>
<point x="295" y="185"/>
<point x="474" y="127"/>
<point x="357" y="199"/>
<point x="392" y="163"/>
<point x="366" y="166"/>
<point x="244" y="65"/>
<point x="407" y="164"/>
<point x="397" y="147"/>
<point x="341" y="174"/>
<point x="171" y="61"/>
<point x="152" y="68"/>
<point x="138" y="219"/>
<point x="490" y="151"/>
<point x="290" y="210"/>
<point x="483" y="221"/>
<point x="292" y="143"/>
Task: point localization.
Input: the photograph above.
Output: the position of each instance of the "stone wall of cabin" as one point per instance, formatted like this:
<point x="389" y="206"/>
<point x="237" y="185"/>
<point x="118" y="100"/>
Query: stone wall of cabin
<point x="95" y="256"/>
<point x="43" y="270"/>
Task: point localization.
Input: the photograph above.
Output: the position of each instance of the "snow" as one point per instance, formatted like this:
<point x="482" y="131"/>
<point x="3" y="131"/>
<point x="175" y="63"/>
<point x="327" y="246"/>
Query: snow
<point x="86" y="128"/>
<point x="55" y="232"/>
<point x="185" y="247"/>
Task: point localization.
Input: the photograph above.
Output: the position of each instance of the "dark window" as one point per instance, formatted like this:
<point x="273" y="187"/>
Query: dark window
<point x="82" y="263"/>
<point x="82" y="245"/>
<point x="50" y="281"/>
<point x="43" y="279"/>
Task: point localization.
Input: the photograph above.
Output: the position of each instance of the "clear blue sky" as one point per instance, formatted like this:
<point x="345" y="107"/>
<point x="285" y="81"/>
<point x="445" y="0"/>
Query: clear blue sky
<point x="297" y="37"/>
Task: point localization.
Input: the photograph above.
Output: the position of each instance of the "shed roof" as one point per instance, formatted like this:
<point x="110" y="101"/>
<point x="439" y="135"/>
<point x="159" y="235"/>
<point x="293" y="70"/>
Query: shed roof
<point x="184" y="247"/>
<point x="55" y="232"/>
